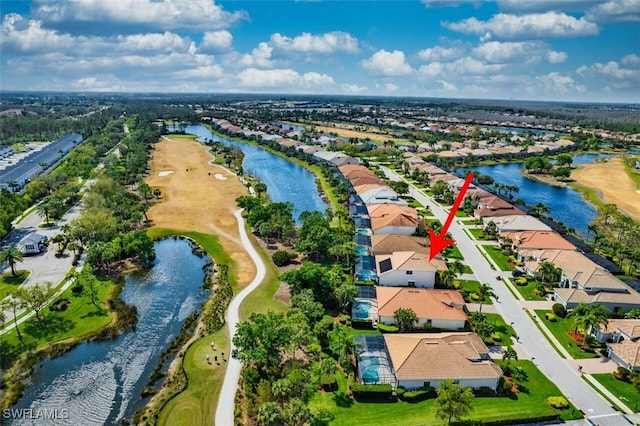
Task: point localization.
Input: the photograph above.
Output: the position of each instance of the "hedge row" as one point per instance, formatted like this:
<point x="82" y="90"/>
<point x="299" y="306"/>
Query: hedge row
<point x="213" y="312"/>
<point x="371" y="392"/>
<point x="417" y="395"/>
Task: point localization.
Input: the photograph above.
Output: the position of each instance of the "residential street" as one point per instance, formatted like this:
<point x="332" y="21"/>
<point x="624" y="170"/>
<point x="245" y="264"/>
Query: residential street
<point x="596" y="409"/>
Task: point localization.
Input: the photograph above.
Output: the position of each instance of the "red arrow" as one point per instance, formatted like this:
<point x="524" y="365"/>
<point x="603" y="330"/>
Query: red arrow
<point x="438" y="242"/>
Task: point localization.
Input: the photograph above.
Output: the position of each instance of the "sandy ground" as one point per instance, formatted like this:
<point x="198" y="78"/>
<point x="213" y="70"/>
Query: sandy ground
<point x="194" y="200"/>
<point x="613" y="183"/>
<point x="348" y="133"/>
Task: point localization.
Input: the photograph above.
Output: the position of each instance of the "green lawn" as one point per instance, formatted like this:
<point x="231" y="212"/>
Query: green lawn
<point x="527" y="291"/>
<point x="9" y="283"/>
<point x="460" y="213"/>
<point x="624" y="391"/>
<point x="197" y="404"/>
<point x="559" y="329"/>
<point x="80" y="319"/>
<point x="501" y="327"/>
<point x="524" y="406"/>
<point x="473" y="286"/>
<point x="261" y="299"/>
<point x="467" y="269"/>
<point x="478" y="234"/>
<point x="452" y="252"/>
<point x="469" y="222"/>
<point x="500" y="259"/>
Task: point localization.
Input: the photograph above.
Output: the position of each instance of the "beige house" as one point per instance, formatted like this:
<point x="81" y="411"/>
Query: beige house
<point x="393" y="219"/>
<point x="426" y="359"/>
<point x="623" y="341"/>
<point x="407" y="269"/>
<point x="442" y="309"/>
<point x="389" y="243"/>
<point x="582" y="281"/>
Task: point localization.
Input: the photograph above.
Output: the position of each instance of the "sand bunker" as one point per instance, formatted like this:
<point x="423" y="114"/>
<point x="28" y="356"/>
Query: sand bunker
<point x="613" y="183"/>
<point x="220" y="176"/>
<point x="165" y="173"/>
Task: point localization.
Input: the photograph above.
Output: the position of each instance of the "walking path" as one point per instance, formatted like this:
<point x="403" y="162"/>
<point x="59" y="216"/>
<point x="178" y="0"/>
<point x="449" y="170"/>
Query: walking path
<point x="592" y="404"/>
<point x="226" y="402"/>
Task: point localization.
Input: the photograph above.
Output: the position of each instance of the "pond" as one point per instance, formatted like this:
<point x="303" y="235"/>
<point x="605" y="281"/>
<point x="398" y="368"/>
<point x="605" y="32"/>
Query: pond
<point x="565" y="204"/>
<point x="102" y="382"/>
<point x="285" y="180"/>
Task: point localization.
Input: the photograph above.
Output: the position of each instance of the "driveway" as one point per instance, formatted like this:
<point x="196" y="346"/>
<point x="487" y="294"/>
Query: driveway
<point x="533" y="342"/>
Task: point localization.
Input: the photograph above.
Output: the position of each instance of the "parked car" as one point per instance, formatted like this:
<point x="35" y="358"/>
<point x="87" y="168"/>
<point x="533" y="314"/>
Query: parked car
<point x="517" y="273"/>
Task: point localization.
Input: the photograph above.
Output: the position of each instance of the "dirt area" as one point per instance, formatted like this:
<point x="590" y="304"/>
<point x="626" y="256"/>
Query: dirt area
<point x="613" y="184"/>
<point x="348" y="133"/>
<point x="193" y="199"/>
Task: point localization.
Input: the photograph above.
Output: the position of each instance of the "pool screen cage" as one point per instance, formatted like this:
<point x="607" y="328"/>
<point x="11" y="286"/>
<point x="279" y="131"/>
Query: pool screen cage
<point x="373" y="361"/>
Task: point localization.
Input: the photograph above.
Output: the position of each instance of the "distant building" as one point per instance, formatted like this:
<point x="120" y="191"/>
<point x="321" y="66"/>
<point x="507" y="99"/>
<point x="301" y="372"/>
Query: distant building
<point x="32" y="243"/>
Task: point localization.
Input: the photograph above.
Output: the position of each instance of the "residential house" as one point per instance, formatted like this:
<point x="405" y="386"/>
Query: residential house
<point x="622" y="337"/>
<point x="389" y="243"/>
<point x="427" y="359"/>
<point x="495" y="206"/>
<point x="518" y="222"/>
<point x="393" y="219"/>
<point x="582" y="280"/>
<point x="441" y="309"/>
<point x="378" y="194"/>
<point x="407" y="269"/>
<point x="532" y="240"/>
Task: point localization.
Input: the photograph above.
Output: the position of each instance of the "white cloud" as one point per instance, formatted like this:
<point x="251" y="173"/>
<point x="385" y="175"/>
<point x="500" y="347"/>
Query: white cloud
<point x="544" y="5"/>
<point x="448" y="87"/>
<point x="517" y="52"/>
<point x="390" y="87"/>
<point x="214" y="71"/>
<point x="555" y="57"/>
<point x="468" y="65"/>
<point x="615" y="11"/>
<point x="440" y="53"/>
<point x="353" y="88"/>
<point x="431" y="70"/>
<point x="27" y="35"/>
<point x="531" y="26"/>
<point x="284" y="78"/>
<point x="216" y="41"/>
<point x="166" y="14"/>
<point x="631" y="59"/>
<point x="153" y="42"/>
<point x="327" y="43"/>
<point x="259" y="57"/>
<point x="610" y="69"/>
<point x="556" y="83"/>
<point x="387" y="63"/>
<point x="447" y="3"/>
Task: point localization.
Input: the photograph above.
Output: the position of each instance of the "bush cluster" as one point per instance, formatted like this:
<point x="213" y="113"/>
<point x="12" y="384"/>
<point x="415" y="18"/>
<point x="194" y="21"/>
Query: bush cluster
<point x="421" y="394"/>
<point x="213" y="312"/>
<point x="558" y="402"/>
<point x="559" y="310"/>
<point x="283" y="257"/>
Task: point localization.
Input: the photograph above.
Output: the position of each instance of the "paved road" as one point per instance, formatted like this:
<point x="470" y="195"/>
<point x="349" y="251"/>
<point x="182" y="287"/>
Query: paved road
<point x="595" y="408"/>
<point x="226" y="402"/>
<point x="44" y="266"/>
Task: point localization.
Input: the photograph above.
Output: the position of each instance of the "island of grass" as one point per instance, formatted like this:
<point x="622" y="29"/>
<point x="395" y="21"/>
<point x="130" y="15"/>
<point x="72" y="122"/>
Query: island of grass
<point x="564" y="331"/>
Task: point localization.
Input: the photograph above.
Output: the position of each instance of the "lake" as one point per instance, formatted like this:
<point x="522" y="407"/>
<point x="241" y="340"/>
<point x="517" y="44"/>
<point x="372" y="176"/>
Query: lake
<point x="566" y="204"/>
<point x="102" y="382"/>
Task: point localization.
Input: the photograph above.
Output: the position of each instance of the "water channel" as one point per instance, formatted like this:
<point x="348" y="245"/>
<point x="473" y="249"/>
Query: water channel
<point x="101" y="382"/>
<point x="565" y="204"/>
<point x="286" y="181"/>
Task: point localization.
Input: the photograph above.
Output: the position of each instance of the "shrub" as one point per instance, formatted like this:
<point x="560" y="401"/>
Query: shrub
<point x="475" y="296"/>
<point x="60" y="305"/>
<point x="418" y="395"/>
<point x="522" y="281"/>
<point x="362" y="324"/>
<point x="622" y="373"/>
<point x="329" y="383"/>
<point x="550" y="317"/>
<point x="344" y="319"/>
<point x="371" y="392"/>
<point x="384" y="328"/>
<point x="558" y="402"/>
<point x="77" y="289"/>
<point x="281" y="258"/>
<point x="559" y="310"/>
<point x="496" y="337"/>
<point x="400" y="391"/>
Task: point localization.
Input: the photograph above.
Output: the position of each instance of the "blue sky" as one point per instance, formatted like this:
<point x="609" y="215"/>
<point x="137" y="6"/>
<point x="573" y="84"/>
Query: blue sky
<point x="565" y="50"/>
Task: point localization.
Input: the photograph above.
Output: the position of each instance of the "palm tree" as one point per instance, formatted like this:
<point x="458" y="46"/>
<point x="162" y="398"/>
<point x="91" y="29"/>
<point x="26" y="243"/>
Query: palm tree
<point x="540" y="209"/>
<point x="548" y="272"/>
<point x="484" y="291"/>
<point x="269" y="414"/>
<point x="13" y="304"/>
<point x="11" y="255"/>
<point x="509" y="354"/>
<point x="589" y="316"/>
<point x="457" y="268"/>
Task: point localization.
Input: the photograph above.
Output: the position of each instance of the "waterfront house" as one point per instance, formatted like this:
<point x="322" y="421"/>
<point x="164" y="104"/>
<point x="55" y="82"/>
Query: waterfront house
<point x="393" y="219"/>
<point x="389" y="243"/>
<point x="519" y="222"/>
<point x="427" y="359"/>
<point x="495" y="206"/>
<point x="407" y="269"/>
<point x="531" y="240"/>
<point x="441" y="309"/>
<point x="378" y="194"/>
